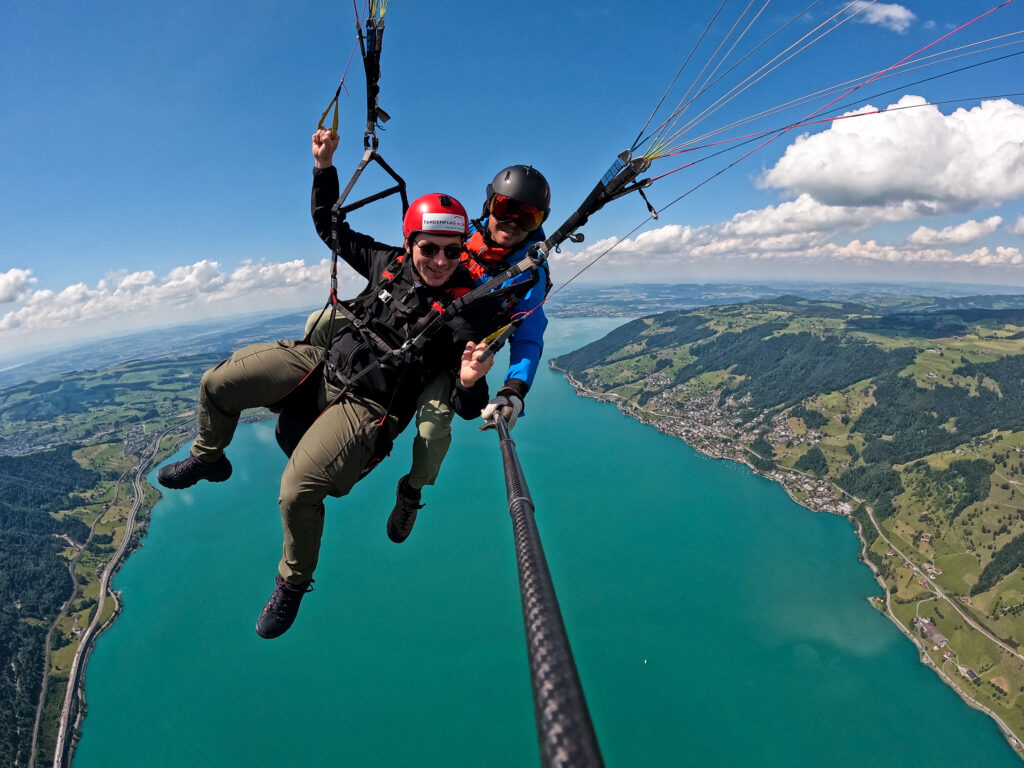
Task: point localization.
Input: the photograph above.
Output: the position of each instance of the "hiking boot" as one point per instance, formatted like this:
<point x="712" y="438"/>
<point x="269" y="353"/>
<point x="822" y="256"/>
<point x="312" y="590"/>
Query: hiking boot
<point x="403" y="516"/>
<point x="282" y="608"/>
<point x="185" y="474"/>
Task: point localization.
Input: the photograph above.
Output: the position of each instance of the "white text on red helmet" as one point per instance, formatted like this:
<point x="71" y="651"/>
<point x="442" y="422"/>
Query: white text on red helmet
<point x="443" y="222"/>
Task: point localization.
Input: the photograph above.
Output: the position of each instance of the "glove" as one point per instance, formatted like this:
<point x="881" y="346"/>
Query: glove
<point x="506" y="403"/>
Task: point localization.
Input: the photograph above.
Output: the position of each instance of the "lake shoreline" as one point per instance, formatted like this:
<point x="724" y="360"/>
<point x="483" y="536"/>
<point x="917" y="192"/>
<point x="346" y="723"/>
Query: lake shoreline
<point x="726" y="450"/>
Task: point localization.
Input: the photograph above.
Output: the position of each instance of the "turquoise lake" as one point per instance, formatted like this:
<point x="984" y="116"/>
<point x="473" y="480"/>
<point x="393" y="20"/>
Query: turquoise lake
<point x="714" y="622"/>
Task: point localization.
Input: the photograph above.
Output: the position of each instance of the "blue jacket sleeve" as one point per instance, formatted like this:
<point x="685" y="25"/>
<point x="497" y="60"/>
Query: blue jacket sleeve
<point x="527" y="344"/>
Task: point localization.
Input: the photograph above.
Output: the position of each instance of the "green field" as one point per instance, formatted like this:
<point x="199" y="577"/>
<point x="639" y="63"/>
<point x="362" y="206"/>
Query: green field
<point x="919" y="416"/>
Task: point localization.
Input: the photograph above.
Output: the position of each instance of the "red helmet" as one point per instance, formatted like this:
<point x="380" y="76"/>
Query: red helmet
<point x="436" y="213"/>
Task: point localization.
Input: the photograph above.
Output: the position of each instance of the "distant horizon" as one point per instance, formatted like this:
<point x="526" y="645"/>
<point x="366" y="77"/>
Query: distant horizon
<point x="181" y="189"/>
<point x="13" y="361"/>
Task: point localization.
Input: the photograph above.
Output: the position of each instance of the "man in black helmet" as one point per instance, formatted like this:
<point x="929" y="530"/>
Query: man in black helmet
<point x="518" y="202"/>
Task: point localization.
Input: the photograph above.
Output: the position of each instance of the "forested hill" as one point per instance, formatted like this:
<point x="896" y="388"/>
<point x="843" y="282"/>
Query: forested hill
<point x="919" y="415"/>
<point x="71" y="444"/>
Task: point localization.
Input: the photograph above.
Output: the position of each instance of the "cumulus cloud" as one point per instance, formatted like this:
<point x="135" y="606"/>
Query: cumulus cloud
<point x="880" y="170"/>
<point x="872" y="251"/>
<point x="697" y="249"/>
<point x="888" y="15"/>
<point x="916" y="157"/>
<point x="14" y="283"/>
<point x="807" y="215"/>
<point x="789" y="230"/>
<point x="187" y="292"/>
<point x="960" y="234"/>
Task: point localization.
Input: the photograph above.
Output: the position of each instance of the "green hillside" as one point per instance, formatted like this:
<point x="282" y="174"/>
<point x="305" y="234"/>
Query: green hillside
<point x="71" y="446"/>
<point x="909" y="422"/>
<point x="67" y="448"/>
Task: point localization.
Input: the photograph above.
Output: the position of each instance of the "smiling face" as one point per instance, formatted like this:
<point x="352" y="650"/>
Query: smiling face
<point x="505" y="234"/>
<point x="512" y="220"/>
<point x="430" y="257"/>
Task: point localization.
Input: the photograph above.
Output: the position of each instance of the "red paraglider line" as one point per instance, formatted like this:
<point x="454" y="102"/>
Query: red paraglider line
<point x="841" y="96"/>
<point x="718" y="173"/>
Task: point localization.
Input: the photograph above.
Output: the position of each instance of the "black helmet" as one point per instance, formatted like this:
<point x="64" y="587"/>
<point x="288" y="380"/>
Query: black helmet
<point x="523" y="183"/>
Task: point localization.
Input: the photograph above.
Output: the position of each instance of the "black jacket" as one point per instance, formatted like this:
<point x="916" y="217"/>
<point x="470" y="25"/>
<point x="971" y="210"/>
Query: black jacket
<point x="393" y="307"/>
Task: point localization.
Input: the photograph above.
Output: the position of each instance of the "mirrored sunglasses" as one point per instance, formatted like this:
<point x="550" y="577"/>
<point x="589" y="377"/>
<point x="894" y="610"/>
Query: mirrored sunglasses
<point x="526" y="217"/>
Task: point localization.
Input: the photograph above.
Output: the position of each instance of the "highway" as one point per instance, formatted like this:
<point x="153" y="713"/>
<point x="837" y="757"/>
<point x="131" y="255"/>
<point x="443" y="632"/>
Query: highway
<point x="75" y="675"/>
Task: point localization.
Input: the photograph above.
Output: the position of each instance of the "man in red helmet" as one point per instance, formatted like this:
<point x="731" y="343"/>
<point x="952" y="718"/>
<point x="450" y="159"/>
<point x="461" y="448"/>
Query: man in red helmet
<point x="368" y="391"/>
<point x="517" y="203"/>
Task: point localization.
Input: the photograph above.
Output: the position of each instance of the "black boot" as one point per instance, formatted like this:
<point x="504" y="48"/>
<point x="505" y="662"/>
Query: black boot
<point x="403" y="516"/>
<point x="282" y="608"/>
<point x="184" y="474"/>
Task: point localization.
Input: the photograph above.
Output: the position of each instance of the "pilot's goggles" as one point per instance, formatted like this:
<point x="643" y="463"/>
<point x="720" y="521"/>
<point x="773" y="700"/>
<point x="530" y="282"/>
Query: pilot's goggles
<point x="526" y="217"/>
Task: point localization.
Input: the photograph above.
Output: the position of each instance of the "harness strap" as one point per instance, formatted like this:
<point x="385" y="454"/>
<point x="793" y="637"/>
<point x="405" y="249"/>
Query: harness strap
<point x="369" y="47"/>
<point x="364" y="331"/>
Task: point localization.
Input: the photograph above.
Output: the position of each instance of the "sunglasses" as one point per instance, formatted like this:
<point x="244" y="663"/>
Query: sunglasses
<point x="451" y="252"/>
<point x="526" y="217"/>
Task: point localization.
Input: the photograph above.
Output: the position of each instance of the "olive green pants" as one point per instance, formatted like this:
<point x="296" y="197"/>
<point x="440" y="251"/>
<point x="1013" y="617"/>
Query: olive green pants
<point x="328" y="459"/>
<point x="433" y="411"/>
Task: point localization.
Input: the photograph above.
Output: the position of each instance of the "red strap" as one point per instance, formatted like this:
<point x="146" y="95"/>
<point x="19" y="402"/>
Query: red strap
<point x="387" y="274"/>
<point x="476" y="271"/>
<point x="476" y="246"/>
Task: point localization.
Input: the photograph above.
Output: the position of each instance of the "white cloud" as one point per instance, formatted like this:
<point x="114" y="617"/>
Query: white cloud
<point x="861" y="173"/>
<point x="14" y="283"/>
<point x="888" y="15"/>
<point x="872" y="251"/>
<point x="142" y="299"/>
<point x="675" y="250"/>
<point x="959" y="235"/>
<point x="919" y="158"/>
<point x="1003" y="256"/>
<point x="807" y="215"/>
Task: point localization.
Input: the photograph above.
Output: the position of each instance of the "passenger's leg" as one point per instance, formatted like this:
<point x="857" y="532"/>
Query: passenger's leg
<point x="433" y="432"/>
<point x="257" y="375"/>
<point x="326" y="462"/>
<point x="318" y="326"/>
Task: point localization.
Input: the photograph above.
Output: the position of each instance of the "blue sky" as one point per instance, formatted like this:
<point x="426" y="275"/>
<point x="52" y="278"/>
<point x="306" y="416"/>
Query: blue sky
<point x="155" y="160"/>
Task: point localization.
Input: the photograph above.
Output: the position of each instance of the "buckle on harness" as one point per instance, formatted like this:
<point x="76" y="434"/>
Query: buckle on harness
<point x="405" y="352"/>
<point x="384" y="296"/>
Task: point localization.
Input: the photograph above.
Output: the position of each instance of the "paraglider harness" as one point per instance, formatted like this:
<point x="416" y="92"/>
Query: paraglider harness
<point x="298" y="409"/>
<point x="563" y="721"/>
<point x="620" y="179"/>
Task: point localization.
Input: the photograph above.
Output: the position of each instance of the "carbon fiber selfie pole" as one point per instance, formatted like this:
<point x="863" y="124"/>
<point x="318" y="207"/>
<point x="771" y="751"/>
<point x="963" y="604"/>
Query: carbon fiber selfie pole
<point x="564" y="730"/>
